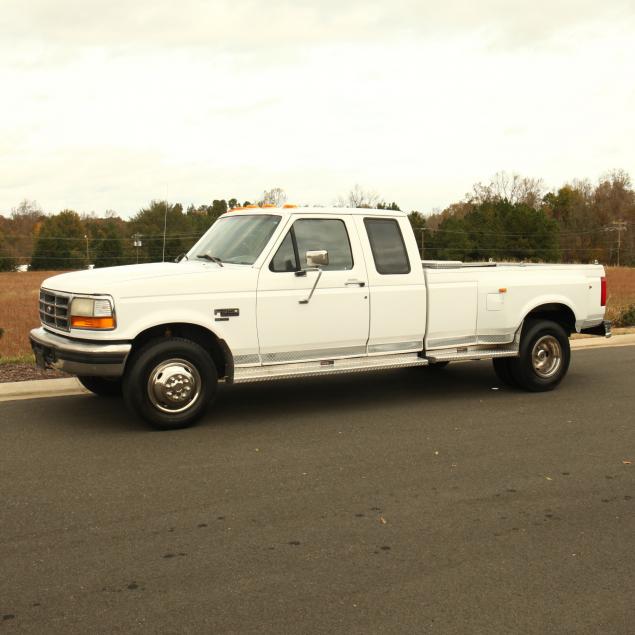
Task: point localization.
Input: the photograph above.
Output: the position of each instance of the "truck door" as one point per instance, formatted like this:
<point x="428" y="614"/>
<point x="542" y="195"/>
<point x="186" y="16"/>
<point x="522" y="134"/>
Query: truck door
<point x="333" y="321"/>
<point x="397" y="285"/>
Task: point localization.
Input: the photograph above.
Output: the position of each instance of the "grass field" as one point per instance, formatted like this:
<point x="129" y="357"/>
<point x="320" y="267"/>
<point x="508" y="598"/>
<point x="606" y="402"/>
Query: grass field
<point x="19" y="310"/>
<point x="19" y="305"/>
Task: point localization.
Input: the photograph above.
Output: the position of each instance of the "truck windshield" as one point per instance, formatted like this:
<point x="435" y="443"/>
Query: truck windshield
<point x="236" y="239"/>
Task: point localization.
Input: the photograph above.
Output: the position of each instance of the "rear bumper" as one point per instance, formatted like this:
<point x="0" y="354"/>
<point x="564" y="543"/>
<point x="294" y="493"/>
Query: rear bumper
<point x="603" y="329"/>
<point x="78" y="357"/>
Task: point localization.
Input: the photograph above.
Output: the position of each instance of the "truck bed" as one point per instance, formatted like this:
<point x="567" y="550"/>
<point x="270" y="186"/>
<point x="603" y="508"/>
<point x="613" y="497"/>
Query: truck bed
<point x="473" y="304"/>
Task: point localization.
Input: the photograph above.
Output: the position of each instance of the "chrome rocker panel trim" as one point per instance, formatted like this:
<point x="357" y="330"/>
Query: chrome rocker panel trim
<point x="325" y="367"/>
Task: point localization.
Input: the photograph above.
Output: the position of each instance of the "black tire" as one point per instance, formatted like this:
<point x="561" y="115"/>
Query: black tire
<point x="504" y="372"/>
<point x="102" y="386"/>
<point x="170" y="406"/>
<point x="538" y="336"/>
<point x="437" y="365"/>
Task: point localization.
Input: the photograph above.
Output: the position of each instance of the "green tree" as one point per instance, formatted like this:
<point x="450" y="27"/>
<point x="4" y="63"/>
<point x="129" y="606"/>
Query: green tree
<point x="499" y="229"/>
<point x="60" y="243"/>
<point x="581" y="236"/>
<point x="393" y="207"/>
<point x="451" y="241"/>
<point x="418" y="224"/>
<point x="218" y="207"/>
<point x="149" y="222"/>
<point x="7" y="261"/>
<point x="109" y="250"/>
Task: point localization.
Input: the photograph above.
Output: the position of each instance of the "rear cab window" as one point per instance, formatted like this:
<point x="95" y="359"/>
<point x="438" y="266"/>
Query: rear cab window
<point x="387" y="246"/>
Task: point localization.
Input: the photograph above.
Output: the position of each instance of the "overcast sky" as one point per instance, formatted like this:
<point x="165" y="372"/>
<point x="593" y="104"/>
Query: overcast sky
<point x="105" y="105"/>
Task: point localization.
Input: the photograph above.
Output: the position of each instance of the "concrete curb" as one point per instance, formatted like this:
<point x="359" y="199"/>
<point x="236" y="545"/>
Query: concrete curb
<point x="12" y="391"/>
<point x="602" y="342"/>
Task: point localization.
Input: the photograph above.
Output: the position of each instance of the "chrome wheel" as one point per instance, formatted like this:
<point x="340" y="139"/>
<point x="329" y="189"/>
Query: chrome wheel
<point x="546" y="356"/>
<point x="174" y="386"/>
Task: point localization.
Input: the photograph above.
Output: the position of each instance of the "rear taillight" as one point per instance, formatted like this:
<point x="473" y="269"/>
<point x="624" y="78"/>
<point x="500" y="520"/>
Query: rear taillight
<point x="603" y="293"/>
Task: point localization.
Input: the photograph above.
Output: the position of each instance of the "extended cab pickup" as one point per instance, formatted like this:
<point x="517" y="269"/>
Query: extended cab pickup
<point x="289" y="292"/>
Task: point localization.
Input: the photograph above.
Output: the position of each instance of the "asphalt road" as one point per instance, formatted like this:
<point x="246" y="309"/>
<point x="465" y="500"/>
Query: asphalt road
<point x="408" y="501"/>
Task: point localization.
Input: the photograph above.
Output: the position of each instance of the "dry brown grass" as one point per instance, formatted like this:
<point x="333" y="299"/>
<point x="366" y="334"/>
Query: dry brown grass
<point x="19" y="310"/>
<point x="19" y="304"/>
<point x="621" y="290"/>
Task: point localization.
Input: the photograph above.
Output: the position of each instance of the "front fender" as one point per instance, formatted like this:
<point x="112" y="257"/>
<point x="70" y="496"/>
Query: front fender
<point x="237" y="328"/>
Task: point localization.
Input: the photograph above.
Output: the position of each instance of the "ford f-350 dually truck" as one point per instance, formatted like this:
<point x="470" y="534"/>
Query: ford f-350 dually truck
<point x="272" y="293"/>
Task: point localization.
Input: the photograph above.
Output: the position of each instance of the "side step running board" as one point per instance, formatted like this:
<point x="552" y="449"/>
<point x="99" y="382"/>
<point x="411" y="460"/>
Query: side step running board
<point x="326" y="367"/>
<point x="483" y="353"/>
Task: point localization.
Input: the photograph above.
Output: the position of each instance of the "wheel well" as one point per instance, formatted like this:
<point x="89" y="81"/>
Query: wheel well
<point x="199" y="334"/>
<point x="554" y="312"/>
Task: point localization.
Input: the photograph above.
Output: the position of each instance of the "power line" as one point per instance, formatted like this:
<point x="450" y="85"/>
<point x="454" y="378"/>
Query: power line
<point x="97" y="238"/>
<point x="525" y="234"/>
<point x="618" y="226"/>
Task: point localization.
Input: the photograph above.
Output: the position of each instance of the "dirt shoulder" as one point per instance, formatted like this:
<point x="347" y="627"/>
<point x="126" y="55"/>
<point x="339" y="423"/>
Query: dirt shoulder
<point x="26" y="372"/>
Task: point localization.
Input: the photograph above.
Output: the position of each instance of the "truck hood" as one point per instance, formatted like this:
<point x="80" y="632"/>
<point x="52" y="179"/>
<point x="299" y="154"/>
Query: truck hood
<point x="135" y="279"/>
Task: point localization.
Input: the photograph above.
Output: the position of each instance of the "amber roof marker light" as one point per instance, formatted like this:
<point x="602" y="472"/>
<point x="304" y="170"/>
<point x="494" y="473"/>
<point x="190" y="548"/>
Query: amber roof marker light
<point x="263" y="206"/>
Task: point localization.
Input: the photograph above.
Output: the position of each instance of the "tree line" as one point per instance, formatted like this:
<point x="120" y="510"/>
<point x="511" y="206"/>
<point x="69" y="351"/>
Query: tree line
<point x="509" y="218"/>
<point x="514" y="218"/>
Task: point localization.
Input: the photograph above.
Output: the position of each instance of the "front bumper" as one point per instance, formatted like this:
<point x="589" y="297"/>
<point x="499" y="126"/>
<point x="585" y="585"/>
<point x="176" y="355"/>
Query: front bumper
<point x="603" y="329"/>
<point x="77" y="357"/>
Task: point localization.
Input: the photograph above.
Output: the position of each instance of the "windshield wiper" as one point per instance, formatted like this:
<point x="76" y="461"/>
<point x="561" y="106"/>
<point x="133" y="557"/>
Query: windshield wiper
<point x="215" y="259"/>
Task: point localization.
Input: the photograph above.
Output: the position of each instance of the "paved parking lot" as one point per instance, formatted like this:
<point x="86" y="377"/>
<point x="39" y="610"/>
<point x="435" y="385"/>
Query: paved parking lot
<point x="407" y="501"/>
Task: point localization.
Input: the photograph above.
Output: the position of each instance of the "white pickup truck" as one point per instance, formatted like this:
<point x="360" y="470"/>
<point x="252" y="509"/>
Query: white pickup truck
<point x="272" y="293"/>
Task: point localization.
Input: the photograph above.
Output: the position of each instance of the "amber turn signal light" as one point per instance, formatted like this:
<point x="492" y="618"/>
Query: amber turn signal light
<point x="81" y="322"/>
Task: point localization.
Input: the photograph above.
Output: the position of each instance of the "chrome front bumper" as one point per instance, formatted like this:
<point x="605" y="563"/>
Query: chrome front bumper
<point x="78" y="357"/>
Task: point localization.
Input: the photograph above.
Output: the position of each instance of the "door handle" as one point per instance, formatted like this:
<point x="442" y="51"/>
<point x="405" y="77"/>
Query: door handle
<point x="358" y="283"/>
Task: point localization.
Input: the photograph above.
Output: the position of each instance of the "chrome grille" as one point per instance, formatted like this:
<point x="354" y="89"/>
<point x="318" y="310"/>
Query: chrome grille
<point x="54" y="310"/>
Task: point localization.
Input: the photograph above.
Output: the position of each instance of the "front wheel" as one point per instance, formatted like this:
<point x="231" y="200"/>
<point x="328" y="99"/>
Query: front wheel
<point x="102" y="386"/>
<point x="544" y="357"/>
<point x="170" y="382"/>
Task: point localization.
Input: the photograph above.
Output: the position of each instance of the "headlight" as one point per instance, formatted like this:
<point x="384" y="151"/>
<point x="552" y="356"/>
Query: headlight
<point x="89" y="313"/>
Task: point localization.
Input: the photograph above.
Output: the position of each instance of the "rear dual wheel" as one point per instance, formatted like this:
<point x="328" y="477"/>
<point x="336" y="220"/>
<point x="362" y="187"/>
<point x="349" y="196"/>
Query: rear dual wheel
<point x="543" y="359"/>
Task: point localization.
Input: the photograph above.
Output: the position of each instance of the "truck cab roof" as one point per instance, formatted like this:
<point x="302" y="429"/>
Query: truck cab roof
<point x="288" y="210"/>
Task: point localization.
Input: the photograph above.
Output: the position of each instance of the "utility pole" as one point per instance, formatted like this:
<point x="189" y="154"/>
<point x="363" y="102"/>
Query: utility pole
<point x="137" y="243"/>
<point x="618" y="226"/>
<point x="423" y="243"/>
<point x="87" y="256"/>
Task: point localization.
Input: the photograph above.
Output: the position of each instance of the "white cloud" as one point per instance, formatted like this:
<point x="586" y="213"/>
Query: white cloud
<point x="105" y="103"/>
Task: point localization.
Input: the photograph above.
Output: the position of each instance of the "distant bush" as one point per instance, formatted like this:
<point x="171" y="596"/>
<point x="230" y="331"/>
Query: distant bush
<point x="627" y="317"/>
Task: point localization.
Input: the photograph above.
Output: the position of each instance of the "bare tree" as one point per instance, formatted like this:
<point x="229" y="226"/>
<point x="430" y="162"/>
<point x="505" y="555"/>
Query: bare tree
<point x="618" y="178"/>
<point x="27" y="209"/>
<point x="510" y="187"/>
<point x="25" y="221"/>
<point x="275" y="196"/>
<point x="359" y="197"/>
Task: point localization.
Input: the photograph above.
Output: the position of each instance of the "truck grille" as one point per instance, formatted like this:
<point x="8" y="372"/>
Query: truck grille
<point x="54" y="310"/>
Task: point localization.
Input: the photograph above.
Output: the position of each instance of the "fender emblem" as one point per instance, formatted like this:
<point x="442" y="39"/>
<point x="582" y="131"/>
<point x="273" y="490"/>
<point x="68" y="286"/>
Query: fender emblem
<point x="223" y="315"/>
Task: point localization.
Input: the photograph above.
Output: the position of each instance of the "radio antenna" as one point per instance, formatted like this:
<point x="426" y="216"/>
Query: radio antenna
<point x="165" y="221"/>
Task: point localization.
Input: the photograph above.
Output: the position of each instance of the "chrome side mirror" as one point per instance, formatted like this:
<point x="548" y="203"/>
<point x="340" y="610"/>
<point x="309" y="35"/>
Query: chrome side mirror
<point x="317" y="258"/>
